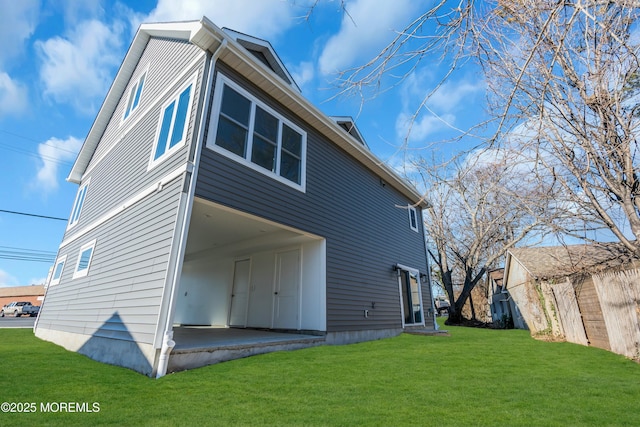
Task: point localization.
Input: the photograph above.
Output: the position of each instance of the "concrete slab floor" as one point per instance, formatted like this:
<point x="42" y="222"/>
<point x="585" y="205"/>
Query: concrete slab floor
<point x="191" y="338"/>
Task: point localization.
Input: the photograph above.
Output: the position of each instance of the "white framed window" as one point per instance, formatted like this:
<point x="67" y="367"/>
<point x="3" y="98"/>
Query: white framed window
<point x="413" y="218"/>
<point x="135" y="93"/>
<point x="250" y="132"/>
<point x="410" y="295"/>
<point x="84" y="260"/>
<point x="78" y="204"/>
<point x="57" y="270"/>
<point x="172" y="128"/>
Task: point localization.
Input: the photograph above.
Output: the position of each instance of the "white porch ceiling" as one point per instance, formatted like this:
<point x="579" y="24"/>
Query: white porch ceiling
<point x="216" y="228"/>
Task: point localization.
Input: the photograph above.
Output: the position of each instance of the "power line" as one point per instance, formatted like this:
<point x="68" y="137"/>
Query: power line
<point x="36" y="155"/>
<point x="35" y="140"/>
<point x="34" y="215"/>
<point x="22" y="254"/>
<point x="20" y="150"/>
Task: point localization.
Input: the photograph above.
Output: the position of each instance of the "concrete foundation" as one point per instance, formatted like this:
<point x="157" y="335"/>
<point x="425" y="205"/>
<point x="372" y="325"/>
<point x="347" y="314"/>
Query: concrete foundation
<point x="129" y="354"/>
<point x="351" y="337"/>
<point x="197" y="347"/>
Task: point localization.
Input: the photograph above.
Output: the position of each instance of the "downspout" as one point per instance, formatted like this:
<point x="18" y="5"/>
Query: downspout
<point x="167" y="341"/>
<point x="426" y="256"/>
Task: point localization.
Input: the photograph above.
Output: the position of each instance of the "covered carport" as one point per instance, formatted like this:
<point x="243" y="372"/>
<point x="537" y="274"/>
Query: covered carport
<point x="242" y="271"/>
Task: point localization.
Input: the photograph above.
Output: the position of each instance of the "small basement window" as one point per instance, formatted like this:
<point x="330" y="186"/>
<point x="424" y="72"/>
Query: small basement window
<point x="57" y="270"/>
<point x="84" y="260"/>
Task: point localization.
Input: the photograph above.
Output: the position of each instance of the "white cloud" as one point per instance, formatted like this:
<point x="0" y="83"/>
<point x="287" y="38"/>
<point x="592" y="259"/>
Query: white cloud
<point x="452" y="94"/>
<point x="367" y="28"/>
<point x="265" y="18"/>
<point x="13" y="96"/>
<point x="303" y="73"/>
<point x="442" y="108"/>
<point x="419" y="128"/>
<point x="77" y="11"/>
<point x="7" y="280"/>
<point x="79" y="69"/>
<point x="52" y="152"/>
<point x="18" y="20"/>
<point x="38" y="281"/>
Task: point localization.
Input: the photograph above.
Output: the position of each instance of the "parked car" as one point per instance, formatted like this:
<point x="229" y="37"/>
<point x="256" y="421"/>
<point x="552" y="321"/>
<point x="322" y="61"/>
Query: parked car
<point x="442" y="305"/>
<point x="19" y="308"/>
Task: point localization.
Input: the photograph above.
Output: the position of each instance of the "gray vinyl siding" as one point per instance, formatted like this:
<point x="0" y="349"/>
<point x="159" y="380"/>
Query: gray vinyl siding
<point x="120" y="297"/>
<point x="164" y="60"/>
<point x="128" y="271"/>
<point x="123" y="171"/>
<point x="365" y="223"/>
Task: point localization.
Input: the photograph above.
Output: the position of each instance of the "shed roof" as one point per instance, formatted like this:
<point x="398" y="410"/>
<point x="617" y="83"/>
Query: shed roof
<point x="22" y="291"/>
<point x="559" y="261"/>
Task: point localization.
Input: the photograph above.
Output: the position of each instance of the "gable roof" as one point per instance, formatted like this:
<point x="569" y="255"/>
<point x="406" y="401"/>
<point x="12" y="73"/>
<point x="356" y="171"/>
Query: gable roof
<point x="560" y="261"/>
<point x="209" y="37"/>
<point x="349" y="125"/>
<point x="263" y="50"/>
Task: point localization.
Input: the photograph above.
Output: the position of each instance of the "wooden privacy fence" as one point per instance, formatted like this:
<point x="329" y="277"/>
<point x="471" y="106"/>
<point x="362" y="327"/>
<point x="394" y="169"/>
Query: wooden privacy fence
<point x="619" y="295"/>
<point x="602" y="310"/>
<point x="569" y="313"/>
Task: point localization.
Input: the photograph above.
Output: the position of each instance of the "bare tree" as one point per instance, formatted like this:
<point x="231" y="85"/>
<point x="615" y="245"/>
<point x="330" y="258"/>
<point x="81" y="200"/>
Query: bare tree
<point x="563" y="80"/>
<point x="479" y="208"/>
<point x="570" y="80"/>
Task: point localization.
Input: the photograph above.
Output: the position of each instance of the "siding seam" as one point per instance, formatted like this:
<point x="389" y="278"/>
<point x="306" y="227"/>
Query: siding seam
<point x="157" y="186"/>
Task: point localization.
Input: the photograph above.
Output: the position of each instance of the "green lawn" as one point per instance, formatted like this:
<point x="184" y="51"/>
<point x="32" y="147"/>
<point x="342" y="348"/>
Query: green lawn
<point x="473" y="377"/>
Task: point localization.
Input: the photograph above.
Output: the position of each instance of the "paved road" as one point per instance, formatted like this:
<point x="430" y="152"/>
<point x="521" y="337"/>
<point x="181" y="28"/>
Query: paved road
<point x="17" y="322"/>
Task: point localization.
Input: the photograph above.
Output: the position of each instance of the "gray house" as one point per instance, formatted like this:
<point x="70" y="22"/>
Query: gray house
<point x="219" y="214"/>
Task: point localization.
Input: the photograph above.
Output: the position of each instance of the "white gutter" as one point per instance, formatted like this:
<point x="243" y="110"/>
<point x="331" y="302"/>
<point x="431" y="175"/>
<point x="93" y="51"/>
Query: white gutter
<point x="167" y="341"/>
<point x="426" y="255"/>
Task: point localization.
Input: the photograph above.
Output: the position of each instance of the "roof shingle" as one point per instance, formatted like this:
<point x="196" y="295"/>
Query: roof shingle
<point x="559" y="261"/>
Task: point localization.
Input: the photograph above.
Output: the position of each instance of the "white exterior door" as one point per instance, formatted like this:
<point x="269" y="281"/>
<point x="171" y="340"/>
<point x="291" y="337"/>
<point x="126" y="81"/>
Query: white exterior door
<point x="240" y="293"/>
<point x="286" y="295"/>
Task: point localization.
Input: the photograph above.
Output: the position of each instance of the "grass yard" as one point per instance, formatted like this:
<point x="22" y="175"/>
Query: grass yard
<point x="473" y="377"/>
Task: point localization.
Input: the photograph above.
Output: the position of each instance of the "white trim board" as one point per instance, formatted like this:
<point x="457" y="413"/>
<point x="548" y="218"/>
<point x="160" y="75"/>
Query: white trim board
<point x="156" y="186"/>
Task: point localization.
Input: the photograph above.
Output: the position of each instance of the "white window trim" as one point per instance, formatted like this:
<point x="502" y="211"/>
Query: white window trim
<point x="174" y="97"/>
<point x="412" y="209"/>
<point x="126" y="116"/>
<point x="63" y="260"/>
<point x="85" y="272"/>
<point x="416" y="272"/>
<point x="222" y="80"/>
<point x="84" y="187"/>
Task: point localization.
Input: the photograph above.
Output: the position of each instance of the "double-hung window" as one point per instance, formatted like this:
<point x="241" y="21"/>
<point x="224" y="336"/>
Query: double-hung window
<point x="172" y="128"/>
<point x="84" y="260"/>
<point x="135" y="93"/>
<point x="250" y="132"/>
<point x="77" y="205"/>
<point x="57" y="270"/>
<point x="413" y="218"/>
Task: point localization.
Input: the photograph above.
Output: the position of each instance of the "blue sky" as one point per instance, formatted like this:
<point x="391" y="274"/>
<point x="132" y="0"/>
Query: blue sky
<point x="59" y="58"/>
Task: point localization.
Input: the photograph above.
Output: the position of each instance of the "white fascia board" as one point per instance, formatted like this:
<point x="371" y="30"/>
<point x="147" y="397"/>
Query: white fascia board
<point x="205" y="35"/>
<point x="177" y="30"/>
<point x="285" y="94"/>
